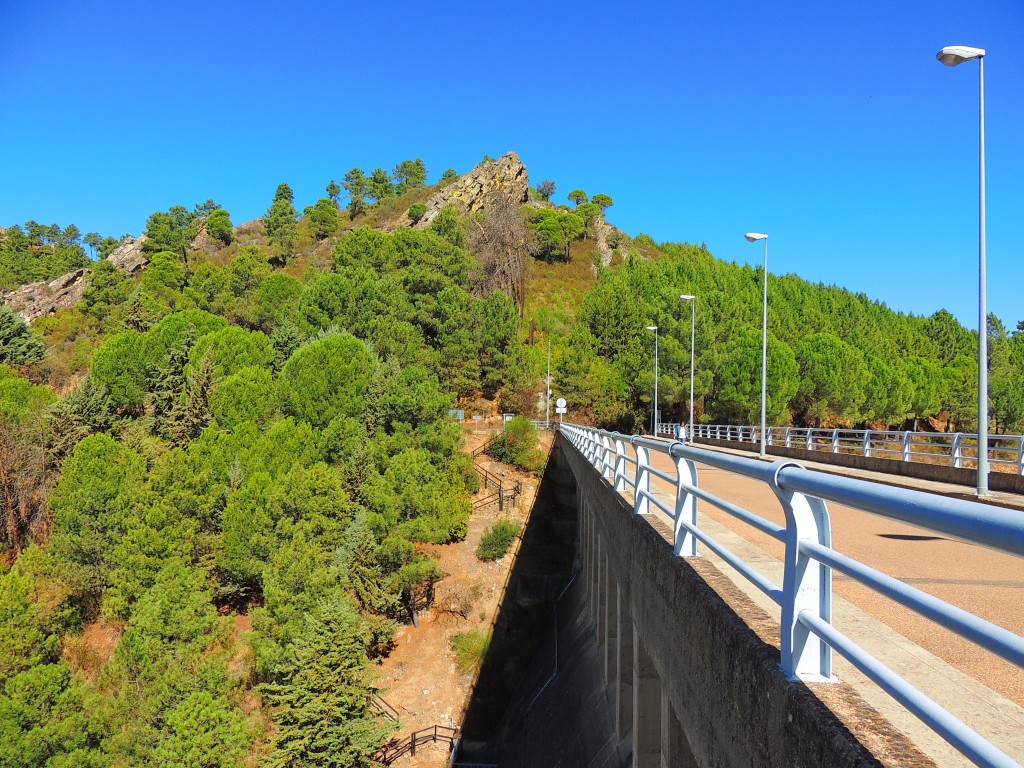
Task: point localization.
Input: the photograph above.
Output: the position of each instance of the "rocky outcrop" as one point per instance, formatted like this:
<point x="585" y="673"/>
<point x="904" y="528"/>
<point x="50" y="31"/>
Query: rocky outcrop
<point x="129" y="256"/>
<point x="37" y="300"/>
<point x="470" y="193"/>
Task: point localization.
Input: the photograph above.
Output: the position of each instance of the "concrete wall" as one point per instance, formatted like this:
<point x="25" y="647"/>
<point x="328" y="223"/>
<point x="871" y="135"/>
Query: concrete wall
<point x="648" y="665"/>
<point x="997" y="481"/>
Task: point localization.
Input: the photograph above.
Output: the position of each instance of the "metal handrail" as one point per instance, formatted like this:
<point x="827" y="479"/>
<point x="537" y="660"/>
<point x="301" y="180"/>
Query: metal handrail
<point x="807" y="637"/>
<point x="956" y="449"/>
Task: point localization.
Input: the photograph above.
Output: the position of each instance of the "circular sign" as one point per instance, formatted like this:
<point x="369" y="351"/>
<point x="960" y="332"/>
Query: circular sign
<point x="560" y="402"/>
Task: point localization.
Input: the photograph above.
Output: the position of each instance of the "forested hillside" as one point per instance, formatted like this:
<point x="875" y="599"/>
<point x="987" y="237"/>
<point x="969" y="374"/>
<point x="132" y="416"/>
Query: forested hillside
<point x="224" y="443"/>
<point x="215" y="472"/>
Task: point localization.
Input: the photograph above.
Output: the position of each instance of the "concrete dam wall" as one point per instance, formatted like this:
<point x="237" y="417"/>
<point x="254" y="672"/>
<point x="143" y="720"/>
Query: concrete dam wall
<point x="648" y="659"/>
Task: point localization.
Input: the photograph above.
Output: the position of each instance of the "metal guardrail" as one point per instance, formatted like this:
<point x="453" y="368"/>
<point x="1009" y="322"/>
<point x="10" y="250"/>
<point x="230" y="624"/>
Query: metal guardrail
<point x="407" y="746"/>
<point x="807" y="637"/>
<point x="955" y="449"/>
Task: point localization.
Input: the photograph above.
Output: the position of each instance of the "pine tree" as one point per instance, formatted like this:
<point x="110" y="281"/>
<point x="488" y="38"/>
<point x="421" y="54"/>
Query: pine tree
<point x="191" y="413"/>
<point x="281" y="223"/>
<point x="322" y="705"/>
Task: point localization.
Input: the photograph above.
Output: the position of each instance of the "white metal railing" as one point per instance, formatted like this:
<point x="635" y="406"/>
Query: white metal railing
<point x="954" y="449"/>
<point x="807" y="637"/>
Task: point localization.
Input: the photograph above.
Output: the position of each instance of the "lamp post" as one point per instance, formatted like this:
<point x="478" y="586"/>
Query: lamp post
<point x="753" y="237"/>
<point x="951" y="56"/>
<point x="654" y="410"/>
<point x="693" y="326"/>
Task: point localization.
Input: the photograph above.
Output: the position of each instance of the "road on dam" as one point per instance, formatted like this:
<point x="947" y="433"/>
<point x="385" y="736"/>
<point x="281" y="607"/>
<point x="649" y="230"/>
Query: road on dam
<point x="949" y="669"/>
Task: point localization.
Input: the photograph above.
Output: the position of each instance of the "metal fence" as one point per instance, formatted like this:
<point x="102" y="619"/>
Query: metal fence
<point x="955" y="449"/>
<point x="807" y="637"/>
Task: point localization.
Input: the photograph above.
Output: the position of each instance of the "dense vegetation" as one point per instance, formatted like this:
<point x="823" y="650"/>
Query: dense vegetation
<point x="255" y="433"/>
<point x="241" y="441"/>
<point x="834" y="357"/>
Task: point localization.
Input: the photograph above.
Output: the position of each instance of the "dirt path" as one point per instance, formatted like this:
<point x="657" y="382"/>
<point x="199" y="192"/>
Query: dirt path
<point x="420" y="678"/>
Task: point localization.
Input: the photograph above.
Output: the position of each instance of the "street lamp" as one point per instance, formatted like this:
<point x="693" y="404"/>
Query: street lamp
<point x="753" y="237"/>
<point x="693" y="326"/>
<point x="952" y="55"/>
<point x="654" y="410"/>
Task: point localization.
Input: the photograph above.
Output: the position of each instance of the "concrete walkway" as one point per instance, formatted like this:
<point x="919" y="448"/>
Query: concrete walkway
<point x="987" y="583"/>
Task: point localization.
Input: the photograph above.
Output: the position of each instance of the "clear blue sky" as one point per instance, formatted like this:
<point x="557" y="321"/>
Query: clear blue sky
<point x="830" y="126"/>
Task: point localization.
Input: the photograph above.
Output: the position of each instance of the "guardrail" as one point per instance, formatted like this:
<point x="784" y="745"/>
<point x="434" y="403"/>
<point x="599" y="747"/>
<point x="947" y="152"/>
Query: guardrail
<point x="407" y="746"/>
<point x="955" y="449"/>
<point x="807" y="637"/>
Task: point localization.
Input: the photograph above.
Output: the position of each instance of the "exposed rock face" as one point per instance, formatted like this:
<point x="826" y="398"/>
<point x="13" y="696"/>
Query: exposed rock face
<point x="470" y="192"/>
<point x="37" y="300"/>
<point x="129" y="256"/>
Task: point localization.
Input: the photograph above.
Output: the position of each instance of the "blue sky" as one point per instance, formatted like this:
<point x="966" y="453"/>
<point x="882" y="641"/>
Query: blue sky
<point x="829" y="125"/>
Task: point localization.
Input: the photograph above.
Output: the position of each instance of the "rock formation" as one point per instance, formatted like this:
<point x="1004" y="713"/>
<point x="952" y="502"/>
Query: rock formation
<point x="129" y="256"/>
<point x="470" y="192"/>
<point x="37" y="300"/>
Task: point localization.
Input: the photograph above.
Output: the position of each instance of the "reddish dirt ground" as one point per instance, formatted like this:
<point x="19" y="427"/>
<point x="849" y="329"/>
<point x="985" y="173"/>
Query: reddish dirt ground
<point x="420" y="677"/>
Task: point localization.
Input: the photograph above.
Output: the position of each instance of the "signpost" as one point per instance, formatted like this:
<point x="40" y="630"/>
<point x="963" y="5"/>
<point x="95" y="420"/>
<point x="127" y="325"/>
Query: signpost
<point x="560" y="408"/>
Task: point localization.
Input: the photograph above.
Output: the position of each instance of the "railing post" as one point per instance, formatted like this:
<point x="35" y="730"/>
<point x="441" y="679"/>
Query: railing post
<point x="810" y="439"/>
<point x="807" y="584"/>
<point x="867" y="443"/>
<point x="620" y="465"/>
<point x="1020" y="457"/>
<point x="908" y="442"/>
<point x="835" y="440"/>
<point x="789" y="436"/>
<point x="685" y="543"/>
<point x="606" y="465"/>
<point x="957" y="450"/>
<point x="641" y="504"/>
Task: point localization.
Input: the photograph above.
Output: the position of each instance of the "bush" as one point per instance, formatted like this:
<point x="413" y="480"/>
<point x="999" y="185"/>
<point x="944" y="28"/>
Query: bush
<point x="416" y="211"/>
<point x="497" y="540"/>
<point x="470" y="648"/>
<point x="518" y="445"/>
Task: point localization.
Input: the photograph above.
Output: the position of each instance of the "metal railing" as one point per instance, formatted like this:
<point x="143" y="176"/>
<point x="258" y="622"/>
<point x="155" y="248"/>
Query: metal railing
<point x="407" y="746"/>
<point x="807" y="637"/>
<point x="954" y="449"/>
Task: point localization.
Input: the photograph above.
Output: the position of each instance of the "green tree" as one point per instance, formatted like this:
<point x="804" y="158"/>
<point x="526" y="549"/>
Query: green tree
<point x="322" y="705"/>
<point x="602" y="201"/>
<point x="248" y="395"/>
<point x="449" y="175"/>
<point x="281" y="223"/>
<point x="325" y="379"/>
<point x="832" y="378"/>
<point x="379" y="185"/>
<point x="410" y="174"/>
<point x="333" y="191"/>
<point x="219" y="227"/>
<point x="18" y="344"/>
<point x="322" y="218"/>
<point x="578" y="196"/>
<point x="90" y="506"/>
<point x="416" y="212"/>
<point x="358" y="188"/>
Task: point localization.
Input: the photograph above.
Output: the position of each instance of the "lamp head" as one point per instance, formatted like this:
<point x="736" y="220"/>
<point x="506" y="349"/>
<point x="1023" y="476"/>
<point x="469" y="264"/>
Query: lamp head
<point x="952" y="55"/>
<point x="687" y="297"/>
<point x="651" y="327"/>
<point x="753" y="237"/>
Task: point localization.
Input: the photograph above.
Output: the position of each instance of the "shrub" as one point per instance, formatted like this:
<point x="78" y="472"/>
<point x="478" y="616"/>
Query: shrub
<point x="497" y="540"/>
<point x="416" y="211"/>
<point x="470" y="648"/>
<point x="518" y="445"/>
